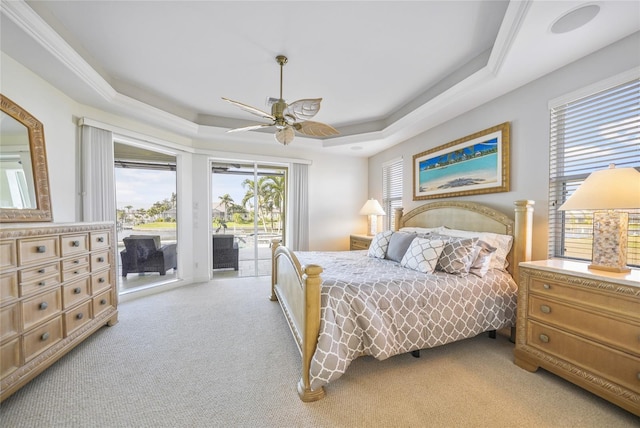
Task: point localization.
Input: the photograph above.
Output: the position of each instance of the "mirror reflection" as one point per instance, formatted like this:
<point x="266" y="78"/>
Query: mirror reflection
<point x="17" y="188"/>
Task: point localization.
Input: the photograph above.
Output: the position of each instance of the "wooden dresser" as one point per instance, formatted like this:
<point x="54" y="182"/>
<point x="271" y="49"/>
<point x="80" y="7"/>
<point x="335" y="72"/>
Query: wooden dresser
<point x="582" y="325"/>
<point x="57" y="287"/>
<point x="359" y="242"/>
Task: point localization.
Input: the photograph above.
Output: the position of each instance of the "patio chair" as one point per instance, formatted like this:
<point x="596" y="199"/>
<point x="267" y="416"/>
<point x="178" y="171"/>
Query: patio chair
<point x="146" y="254"/>
<point x="225" y="252"/>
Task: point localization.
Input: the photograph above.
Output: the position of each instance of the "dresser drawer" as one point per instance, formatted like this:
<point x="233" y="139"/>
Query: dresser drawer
<point x="10" y="357"/>
<point x="40" y="307"/>
<point x="586" y="296"/>
<point x="76" y="272"/>
<point x="100" y="260"/>
<point x="99" y="240"/>
<point x="75" y="262"/>
<point x="37" y="250"/>
<point x="597" y="326"/>
<point x="102" y="302"/>
<point x="77" y="317"/>
<point x="42" y="338"/>
<point x="9" y="321"/>
<point x="8" y="286"/>
<point x="34" y="280"/>
<point x="74" y="244"/>
<point x="617" y="367"/>
<point x="76" y="292"/>
<point x="8" y="259"/>
<point x="359" y="243"/>
<point x="100" y="281"/>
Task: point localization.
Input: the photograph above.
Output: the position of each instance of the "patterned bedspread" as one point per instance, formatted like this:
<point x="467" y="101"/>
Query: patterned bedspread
<point x="376" y="307"/>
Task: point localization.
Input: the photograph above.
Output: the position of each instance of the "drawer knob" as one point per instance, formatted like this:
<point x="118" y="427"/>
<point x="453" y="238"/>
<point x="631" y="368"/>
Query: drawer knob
<point x="100" y="280"/>
<point x="100" y="239"/>
<point x="544" y="338"/>
<point x="77" y="290"/>
<point x="41" y="270"/>
<point x="42" y="283"/>
<point x="103" y="301"/>
<point x="75" y="243"/>
<point x="100" y="259"/>
<point x="77" y="262"/>
<point x="545" y="309"/>
<point x="80" y="316"/>
<point x="41" y="249"/>
<point x="42" y="306"/>
<point x="45" y="336"/>
<point x="546" y="286"/>
<point x="75" y="272"/>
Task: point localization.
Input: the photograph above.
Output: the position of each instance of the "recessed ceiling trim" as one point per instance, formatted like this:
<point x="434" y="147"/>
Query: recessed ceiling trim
<point x="509" y="29"/>
<point x="34" y="26"/>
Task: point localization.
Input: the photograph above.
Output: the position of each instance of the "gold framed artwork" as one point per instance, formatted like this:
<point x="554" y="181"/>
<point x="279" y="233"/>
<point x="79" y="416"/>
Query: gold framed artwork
<point x="475" y="164"/>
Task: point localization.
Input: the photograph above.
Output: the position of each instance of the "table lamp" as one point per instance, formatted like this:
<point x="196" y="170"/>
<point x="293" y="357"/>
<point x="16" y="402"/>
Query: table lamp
<point x="606" y="192"/>
<point x="372" y="209"/>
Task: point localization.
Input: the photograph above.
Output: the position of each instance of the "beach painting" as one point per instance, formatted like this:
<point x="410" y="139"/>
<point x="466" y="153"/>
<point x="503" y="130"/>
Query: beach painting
<point x="478" y="163"/>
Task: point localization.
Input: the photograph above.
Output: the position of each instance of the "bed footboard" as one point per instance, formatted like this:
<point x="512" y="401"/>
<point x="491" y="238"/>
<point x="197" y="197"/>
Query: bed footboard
<point x="297" y="289"/>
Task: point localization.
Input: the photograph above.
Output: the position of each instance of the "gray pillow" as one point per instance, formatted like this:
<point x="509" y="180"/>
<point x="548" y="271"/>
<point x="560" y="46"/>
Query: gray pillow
<point x="398" y="245"/>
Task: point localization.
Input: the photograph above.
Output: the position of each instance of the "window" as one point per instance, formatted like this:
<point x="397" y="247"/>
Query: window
<point x="391" y="190"/>
<point x="587" y="133"/>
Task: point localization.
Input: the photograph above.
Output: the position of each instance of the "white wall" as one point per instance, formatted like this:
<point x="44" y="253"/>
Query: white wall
<point x="338" y="186"/>
<point x="527" y="110"/>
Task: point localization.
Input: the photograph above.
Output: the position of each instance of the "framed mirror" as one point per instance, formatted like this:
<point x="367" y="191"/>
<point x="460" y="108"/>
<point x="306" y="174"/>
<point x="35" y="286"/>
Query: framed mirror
<point x="24" y="178"/>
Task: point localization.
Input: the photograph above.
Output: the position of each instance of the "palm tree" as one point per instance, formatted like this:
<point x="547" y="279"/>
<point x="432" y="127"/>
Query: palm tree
<point x="274" y="188"/>
<point x="225" y="201"/>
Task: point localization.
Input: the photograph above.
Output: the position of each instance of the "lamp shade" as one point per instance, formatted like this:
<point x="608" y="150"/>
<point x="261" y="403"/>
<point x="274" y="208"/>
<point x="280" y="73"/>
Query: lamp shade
<point x="372" y="207"/>
<point x="613" y="188"/>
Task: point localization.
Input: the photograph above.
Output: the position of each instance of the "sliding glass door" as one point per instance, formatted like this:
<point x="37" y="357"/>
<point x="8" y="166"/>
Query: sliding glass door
<point x="247" y="210"/>
<point x="146" y="217"/>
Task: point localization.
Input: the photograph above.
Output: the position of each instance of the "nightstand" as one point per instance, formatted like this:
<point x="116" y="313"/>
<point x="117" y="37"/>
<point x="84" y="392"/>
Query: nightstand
<point x="582" y="325"/>
<point x="359" y="242"/>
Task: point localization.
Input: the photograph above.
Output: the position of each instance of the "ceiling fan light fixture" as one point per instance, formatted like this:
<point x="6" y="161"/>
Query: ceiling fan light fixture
<point x="288" y="117"/>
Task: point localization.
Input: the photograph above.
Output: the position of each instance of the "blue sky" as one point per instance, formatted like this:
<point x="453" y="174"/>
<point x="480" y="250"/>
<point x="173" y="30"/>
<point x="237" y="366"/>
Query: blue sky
<point x="142" y="188"/>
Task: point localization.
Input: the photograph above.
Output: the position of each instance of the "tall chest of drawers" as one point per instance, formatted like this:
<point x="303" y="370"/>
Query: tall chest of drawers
<point x="57" y="287"/>
<point x="582" y="325"/>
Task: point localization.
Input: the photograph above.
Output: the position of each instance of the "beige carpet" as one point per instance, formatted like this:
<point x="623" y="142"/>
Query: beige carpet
<point x="219" y="354"/>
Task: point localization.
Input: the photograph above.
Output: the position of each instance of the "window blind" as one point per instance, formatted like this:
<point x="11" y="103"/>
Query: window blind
<point x="391" y="190"/>
<point x="587" y="134"/>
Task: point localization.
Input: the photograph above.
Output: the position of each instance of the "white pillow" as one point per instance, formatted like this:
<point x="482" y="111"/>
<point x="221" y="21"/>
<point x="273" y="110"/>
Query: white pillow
<point x="422" y="255"/>
<point x="379" y="244"/>
<point x="502" y="243"/>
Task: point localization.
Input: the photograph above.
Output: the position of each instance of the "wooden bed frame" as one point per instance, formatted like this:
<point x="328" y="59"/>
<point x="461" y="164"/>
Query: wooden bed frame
<point x="297" y="287"/>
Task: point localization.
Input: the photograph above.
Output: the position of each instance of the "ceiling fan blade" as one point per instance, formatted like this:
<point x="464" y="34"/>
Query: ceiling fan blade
<point x="315" y="129"/>
<point x="303" y="109"/>
<point x="250" y="109"/>
<point x="285" y="135"/>
<point x="251" y="127"/>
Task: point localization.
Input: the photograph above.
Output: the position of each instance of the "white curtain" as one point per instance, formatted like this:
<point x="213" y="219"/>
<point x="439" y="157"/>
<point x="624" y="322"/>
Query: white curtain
<point x="298" y="225"/>
<point x="98" y="176"/>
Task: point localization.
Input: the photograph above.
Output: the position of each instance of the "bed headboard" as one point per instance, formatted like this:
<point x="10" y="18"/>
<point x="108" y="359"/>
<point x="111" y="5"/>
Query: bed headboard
<point x="478" y="218"/>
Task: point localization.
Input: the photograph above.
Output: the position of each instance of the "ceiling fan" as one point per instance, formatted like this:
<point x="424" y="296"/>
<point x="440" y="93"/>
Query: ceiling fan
<point x="288" y="118"/>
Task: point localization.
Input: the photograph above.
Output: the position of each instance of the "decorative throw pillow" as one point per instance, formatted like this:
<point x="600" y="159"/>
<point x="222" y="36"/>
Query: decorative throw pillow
<point x="481" y="265"/>
<point x="379" y="244"/>
<point x="458" y="255"/>
<point x="398" y="245"/>
<point x="422" y="255"/>
<point x="502" y="243"/>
